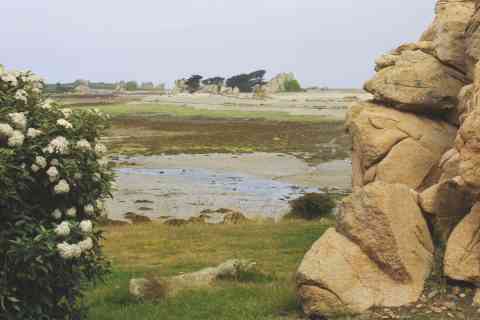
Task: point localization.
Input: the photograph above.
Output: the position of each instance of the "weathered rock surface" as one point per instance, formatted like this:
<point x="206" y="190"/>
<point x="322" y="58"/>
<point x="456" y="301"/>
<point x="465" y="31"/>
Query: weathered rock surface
<point x="391" y="58"/>
<point x="468" y="143"/>
<point x="337" y="277"/>
<point x="452" y="18"/>
<point x="381" y="254"/>
<point x="180" y="86"/>
<point x="278" y="83"/>
<point x="465" y="104"/>
<point x="384" y="220"/>
<point x="403" y="147"/>
<point x="476" y="298"/>
<point x="416" y="158"/>
<point x="462" y="257"/>
<point x="417" y="82"/>
<point x="472" y="42"/>
<point x="447" y="203"/>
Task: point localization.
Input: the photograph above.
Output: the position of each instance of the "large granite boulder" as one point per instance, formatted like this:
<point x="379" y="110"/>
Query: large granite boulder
<point x="446" y="204"/>
<point x="387" y="223"/>
<point x="416" y="170"/>
<point x="462" y="257"/>
<point x="381" y="254"/>
<point x="465" y="105"/>
<point x="452" y="18"/>
<point x="468" y="144"/>
<point x="394" y="146"/>
<point x="180" y="86"/>
<point x="336" y="277"/>
<point x="472" y="42"/>
<point x="394" y="56"/>
<point x="417" y="82"/>
<point x="278" y="83"/>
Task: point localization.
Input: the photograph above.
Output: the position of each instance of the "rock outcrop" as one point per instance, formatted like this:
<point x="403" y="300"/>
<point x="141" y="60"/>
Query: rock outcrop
<point x="417" y="82"/>
<point x="462" y="257"/>
<point x="337" y="277"/>
<point x="416" y="176"/>
<point x="382" y="253"/>
<point x="452" y="18"/>
<point x="394" y="146"/>
<point x="180" y="86"/>
<point x="278" y="83"/>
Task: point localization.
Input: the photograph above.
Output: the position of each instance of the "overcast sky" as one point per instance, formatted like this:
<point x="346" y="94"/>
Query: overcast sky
<point x="331" y="43"/>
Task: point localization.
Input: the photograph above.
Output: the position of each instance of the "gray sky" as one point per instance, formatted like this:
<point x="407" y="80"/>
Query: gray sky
<point x="330" y="43"/>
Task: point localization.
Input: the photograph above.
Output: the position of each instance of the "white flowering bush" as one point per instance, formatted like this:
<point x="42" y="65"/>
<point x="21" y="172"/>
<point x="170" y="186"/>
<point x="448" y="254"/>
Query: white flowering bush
<point x="54" y="178"/>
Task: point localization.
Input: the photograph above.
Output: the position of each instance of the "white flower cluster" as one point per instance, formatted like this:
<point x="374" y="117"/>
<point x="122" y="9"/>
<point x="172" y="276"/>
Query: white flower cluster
<point x="72" y="212"/>
<point x="33" y="133"/>
<point x="86" y="244"/>
<point x="6" y="131"/>
<point x="84" y="145"/>
<point x="63" y="229"/>
<point x="19" y="120"/>
<point x="103" y="162"/>
<point x="11" y="78"/>
<point x="66" y="112"/>
<point x="57" y="214"/>
<point x="58" y="145"/>
<point x="64" y="123"/>
<point x="47" y="104"/>
<point x="100" y="149"/>
<point x="62" y="187"/>
<point x="86" y="226"/>
<point x="21" y="95"/>
<point x="16" y="139"/>
<point x="89" y="209"/>
<point x="52" y="174"/>
<point x="70" y="251"/>
<point x="41" y="162"/>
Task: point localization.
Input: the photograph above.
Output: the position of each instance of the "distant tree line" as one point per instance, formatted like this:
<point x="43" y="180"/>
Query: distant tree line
<point x="127" y="85"/>
<point x="245" y="82"/>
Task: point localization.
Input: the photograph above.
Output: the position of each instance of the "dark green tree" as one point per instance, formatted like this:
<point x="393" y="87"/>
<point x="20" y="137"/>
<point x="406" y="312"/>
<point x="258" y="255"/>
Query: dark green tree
<point x="132" y="86"/>
<point x="193" y="83"/>
<point x="246" y="82"/>
<point x="219" y="81"/>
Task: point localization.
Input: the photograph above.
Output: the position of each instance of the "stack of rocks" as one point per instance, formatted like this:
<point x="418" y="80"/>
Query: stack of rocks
<point x="416" y="176"/>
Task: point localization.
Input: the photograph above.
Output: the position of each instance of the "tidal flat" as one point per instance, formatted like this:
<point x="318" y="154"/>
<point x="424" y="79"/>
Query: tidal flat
<point x="189" y="153"/>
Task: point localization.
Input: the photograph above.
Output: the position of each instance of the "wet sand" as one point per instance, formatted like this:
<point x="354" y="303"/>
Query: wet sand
<point x="331" y="104"/>
<point x="257" y="184"/>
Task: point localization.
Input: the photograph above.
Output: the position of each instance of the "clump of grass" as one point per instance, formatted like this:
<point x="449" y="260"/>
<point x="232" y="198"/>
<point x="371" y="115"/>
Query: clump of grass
<point x="253" y="276"/>
<point x="312" y="206"/>
<point x="155" y="289"/>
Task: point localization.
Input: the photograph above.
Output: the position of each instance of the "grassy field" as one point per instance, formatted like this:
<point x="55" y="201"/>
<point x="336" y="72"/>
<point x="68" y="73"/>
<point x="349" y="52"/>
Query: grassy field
<point x="150" y="109"/>
<point x="151" y="129"/>
<point x="156" y="249"/>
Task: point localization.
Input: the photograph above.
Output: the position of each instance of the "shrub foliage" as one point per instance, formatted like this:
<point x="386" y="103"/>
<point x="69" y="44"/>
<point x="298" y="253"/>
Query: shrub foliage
<point x="292" y="86"/>
<point x="54" y="178"/>
<point x="312" y="206"/>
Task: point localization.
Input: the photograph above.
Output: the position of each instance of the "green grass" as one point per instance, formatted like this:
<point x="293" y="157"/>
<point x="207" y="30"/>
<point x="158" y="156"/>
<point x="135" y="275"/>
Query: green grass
<point x="155" y="249"/>
<point x="119" y="110"/>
